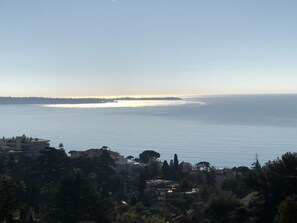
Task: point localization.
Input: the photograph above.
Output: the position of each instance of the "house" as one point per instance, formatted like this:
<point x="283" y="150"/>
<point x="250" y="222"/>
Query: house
<point x="93" y="153"/>
<point x="23" y="144"/>
<point x="166" y="191"/>
<point x="223" y="175"/>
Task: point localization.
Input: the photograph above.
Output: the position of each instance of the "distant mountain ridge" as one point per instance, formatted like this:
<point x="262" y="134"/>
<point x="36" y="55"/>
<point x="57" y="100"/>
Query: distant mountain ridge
<point x="46" y="100"/>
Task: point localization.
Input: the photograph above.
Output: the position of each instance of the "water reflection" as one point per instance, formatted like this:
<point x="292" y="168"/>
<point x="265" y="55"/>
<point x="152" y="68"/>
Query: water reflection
<point x="124" y="103"/>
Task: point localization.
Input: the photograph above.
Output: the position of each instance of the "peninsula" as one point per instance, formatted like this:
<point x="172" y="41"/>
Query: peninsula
<point x="48" y="100"/>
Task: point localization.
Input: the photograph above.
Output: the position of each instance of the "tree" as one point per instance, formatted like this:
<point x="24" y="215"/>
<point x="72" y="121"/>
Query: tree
<point x="141" y="186"/>
<point x="273" y="182"/>
<point x="210" y="176"/>
<point x="130" y="157"/>
<point x="165" y="170"/>
<point x="141" y="182"/>
<point x="106" y="163"/>
<point x="221" y="207"/>
<point x="148" y="155"/>
<point x="184" y="186"/>
<point x="61" y="146"/>
<point x="154" y="169"/>
<point x="6" y="201"/>
<point x="256" y="165"/>
<point x="175" y="162"/>
<point x="287" y="211"/>
<point x="203" y="166"/>
<point x="77" y="201"/>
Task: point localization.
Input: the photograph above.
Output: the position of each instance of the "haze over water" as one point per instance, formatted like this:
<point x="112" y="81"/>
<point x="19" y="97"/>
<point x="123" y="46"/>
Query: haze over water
<point x="224" y="130"/>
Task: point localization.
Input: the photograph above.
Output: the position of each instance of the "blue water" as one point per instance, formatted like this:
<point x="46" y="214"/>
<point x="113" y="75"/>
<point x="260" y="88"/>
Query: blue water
<point x="224" y="130"/>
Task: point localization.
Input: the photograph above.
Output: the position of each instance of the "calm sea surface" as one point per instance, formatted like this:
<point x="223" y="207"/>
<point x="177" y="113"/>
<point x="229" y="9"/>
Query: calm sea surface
<point x="224" y="130"/>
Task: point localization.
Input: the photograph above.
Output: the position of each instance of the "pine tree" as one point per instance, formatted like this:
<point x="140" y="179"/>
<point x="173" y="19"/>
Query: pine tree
<point x="165" y="170"/>
<point x="256" y="165"/>
<point x="175" y="162"/>
<point x="6" y="201"/>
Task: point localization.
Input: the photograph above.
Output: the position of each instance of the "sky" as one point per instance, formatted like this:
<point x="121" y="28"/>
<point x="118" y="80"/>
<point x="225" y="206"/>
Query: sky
<point x="81" y="48"/>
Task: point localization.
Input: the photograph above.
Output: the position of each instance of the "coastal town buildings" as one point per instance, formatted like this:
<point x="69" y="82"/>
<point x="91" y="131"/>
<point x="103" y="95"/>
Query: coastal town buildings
<point x="166" y="191"/>
<point x="23" y="144"/>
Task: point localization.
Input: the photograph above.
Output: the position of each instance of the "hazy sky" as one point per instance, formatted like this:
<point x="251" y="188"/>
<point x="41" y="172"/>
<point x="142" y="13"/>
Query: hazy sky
<point x="147" y="47"/>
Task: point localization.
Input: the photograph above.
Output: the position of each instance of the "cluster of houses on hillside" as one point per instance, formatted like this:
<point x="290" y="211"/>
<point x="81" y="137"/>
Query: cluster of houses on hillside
<point x="165" y="190"/>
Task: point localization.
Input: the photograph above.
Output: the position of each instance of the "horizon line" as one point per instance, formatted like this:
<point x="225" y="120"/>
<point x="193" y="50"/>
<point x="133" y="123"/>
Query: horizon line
<point x="156" y="95"/>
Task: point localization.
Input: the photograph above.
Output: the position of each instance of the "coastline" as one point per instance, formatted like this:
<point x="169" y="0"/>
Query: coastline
<point x="45" y="100"/>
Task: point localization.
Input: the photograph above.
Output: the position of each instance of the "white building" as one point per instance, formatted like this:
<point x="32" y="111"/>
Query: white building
<point x="23" y="144"/>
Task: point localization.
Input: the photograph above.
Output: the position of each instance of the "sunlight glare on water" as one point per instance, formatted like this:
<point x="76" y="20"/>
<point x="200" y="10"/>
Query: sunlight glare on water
<point x="123" y="103"/>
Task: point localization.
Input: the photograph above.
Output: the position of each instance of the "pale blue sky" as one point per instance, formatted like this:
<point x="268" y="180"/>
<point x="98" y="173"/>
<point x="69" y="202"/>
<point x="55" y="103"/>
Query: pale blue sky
<point x="147" y="47"/>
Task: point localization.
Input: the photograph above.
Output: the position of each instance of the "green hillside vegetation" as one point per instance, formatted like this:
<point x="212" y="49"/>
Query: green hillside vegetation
<point x="53" y="187"/>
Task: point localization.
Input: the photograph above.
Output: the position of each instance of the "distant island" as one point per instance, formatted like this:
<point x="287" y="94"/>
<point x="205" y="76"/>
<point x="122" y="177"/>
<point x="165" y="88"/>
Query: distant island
<point x="45" y="100"/>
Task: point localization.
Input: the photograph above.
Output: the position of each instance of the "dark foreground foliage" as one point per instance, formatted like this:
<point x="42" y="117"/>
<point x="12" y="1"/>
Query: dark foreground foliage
<point x="53" y="187"/>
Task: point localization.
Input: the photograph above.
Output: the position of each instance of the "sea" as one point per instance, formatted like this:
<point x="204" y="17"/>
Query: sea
<point x="226" y="131"/>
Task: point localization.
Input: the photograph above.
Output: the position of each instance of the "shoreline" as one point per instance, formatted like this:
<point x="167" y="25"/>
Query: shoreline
<point x="45" y="100"/>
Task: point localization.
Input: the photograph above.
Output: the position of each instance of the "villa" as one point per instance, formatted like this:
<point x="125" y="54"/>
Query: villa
<point x="23" y="144"/>
<point x="91" y="153"/>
